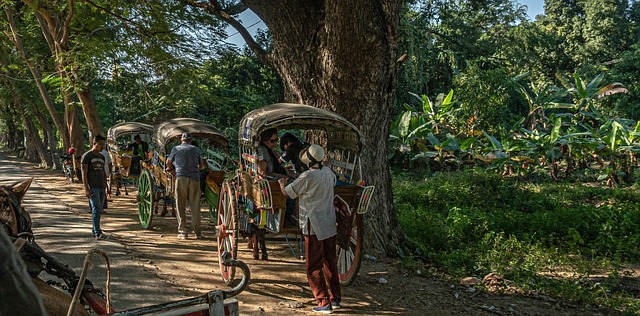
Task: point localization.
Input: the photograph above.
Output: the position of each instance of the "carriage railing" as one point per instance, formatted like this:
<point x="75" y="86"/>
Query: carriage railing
<point x="215" y="160"/>
<point x="248" y="159"/>
<point x="346" y="165"/>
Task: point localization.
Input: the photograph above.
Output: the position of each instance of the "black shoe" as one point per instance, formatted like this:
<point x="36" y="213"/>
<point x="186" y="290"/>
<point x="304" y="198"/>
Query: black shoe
<point x="102" y="237"/>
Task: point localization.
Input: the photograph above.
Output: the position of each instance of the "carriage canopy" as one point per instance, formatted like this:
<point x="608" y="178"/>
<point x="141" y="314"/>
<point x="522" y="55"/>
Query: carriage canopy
<point x="340" y="132"/>
<point x="127" y="128"/>
<point x="171" y="130"/>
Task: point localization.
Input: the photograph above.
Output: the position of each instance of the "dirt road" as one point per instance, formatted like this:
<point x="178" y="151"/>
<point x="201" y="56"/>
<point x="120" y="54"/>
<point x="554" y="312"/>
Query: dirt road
<point x="154" y="266"/>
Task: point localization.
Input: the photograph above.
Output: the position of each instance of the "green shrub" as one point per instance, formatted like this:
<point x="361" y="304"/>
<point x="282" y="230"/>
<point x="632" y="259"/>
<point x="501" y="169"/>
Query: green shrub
<point x="473" y="223"/>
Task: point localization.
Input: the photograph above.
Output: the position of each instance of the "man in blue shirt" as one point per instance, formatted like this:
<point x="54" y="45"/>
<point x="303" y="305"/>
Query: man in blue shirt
<point x="187" y="161"/>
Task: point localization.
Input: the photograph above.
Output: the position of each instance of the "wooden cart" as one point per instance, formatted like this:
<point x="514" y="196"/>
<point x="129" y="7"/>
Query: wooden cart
<point x="126" y="166"/>
<point x="155" y="184"/>
<point x="249" y="199"/>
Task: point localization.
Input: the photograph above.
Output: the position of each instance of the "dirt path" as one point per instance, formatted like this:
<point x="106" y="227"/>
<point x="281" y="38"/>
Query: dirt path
<point x="158" y="267"/>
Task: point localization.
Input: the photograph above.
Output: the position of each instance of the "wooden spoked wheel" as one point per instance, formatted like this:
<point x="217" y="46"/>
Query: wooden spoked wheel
<point x="226" y="231"/>
<point x="349" y="258"/>
<point x="146" y="195"/>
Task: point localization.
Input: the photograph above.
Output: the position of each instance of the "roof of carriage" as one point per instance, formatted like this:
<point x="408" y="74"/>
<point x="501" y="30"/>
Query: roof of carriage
<point x="127" y="128"/>
<point x="172" y="129"/>
<point x="298" y="116"/>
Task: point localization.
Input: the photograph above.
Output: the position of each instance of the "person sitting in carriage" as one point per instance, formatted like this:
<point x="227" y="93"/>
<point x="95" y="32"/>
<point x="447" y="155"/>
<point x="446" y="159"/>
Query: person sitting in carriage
<point x="269" y="166"/>
<point x="140" y="149"/>
<point x="291" y="147"/>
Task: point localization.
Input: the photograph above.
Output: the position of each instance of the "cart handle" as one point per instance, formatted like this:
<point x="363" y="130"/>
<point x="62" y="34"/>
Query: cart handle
<point x="246" y="274"/>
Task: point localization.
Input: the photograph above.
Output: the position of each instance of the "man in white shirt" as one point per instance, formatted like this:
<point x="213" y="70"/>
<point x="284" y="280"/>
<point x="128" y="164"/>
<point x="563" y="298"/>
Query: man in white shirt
<point x="314" y="190"/>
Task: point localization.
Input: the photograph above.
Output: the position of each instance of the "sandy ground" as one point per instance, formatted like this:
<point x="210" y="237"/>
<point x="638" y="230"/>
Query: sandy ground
<point x="154" y="266"/>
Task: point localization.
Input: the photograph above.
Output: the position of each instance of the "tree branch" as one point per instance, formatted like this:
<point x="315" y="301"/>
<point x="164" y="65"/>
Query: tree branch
<point x="119" y="17"/>
<point x="47" y="35"/>
<point x="216" y="9"/>
<point x="67" y="23"/>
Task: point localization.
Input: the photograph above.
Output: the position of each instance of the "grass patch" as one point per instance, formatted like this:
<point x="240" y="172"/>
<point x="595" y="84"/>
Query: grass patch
<point x="565" y="239"/>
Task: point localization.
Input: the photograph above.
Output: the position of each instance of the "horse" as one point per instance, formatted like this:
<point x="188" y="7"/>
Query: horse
<point x="16" y="222"/>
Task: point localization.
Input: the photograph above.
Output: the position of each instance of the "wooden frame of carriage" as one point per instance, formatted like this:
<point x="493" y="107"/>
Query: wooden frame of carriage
<point x="122" y="160"/>
<point x="156" y="184"/>
<point x="249" y="199"/>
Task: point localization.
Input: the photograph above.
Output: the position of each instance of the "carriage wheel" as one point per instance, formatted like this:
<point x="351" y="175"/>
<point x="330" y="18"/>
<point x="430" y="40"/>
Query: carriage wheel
<point x="146" y="195"/>
<point x="349" y="259"/>
<point x="226" y="231"/>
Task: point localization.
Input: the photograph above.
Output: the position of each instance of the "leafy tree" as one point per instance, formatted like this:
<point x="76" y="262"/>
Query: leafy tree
<point x="339" y="56"/>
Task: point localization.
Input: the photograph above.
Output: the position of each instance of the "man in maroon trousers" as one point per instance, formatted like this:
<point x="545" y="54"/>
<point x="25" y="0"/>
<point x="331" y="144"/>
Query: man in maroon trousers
<point x="314" y="188"/>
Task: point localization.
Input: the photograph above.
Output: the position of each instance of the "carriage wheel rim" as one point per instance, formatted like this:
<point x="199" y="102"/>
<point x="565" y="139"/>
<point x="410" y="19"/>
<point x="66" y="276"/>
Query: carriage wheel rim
<point x="227" y="239"/>
<point x="145" y="199"/>
<point x="348" y="260"/>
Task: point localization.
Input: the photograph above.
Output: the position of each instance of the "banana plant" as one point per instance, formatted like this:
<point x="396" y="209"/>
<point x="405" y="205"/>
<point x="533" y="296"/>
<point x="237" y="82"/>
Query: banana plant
<point x="585" y="93"/>
<point x="437" y="114"/>
<point x="539" y="99"/>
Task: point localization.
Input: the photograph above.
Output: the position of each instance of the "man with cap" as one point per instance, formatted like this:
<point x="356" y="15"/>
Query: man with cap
<point x="314" y="190"/>
<point x="186" y="159"/>
<point x="94" y="180"/>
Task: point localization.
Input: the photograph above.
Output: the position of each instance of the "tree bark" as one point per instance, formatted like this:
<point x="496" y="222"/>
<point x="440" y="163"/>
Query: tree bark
<point x="50" y="138"/>
<point x="56" y="32"/>
<point x="35" y="142"/>
<point x="89" y="108"/>
<point x="341" y="56"/>
<point x="70" y="113"/>
<point x="35" y="72"/>
<point x="12" y="129"/>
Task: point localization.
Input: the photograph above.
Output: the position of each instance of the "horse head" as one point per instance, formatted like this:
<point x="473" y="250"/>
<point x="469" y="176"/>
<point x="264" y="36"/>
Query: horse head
<point x="13" y="217"/>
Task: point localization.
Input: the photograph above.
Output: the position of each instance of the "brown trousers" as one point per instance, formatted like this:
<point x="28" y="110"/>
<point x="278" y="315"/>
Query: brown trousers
<point x="322" y="269"/>
<point x="188" y="192"/>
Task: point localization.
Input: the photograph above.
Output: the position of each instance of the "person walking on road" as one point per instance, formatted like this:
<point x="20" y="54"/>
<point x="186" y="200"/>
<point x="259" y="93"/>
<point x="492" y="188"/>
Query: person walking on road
<point x="95" y="182"/>
<point x="186" y="159"/>
<point x="314" y="190"/>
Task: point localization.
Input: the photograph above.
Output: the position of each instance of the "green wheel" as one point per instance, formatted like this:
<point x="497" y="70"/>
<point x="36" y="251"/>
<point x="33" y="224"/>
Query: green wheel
<point x="146" y="194"/>
<point x="226" y="231"/>
<point x="349" y="254"/>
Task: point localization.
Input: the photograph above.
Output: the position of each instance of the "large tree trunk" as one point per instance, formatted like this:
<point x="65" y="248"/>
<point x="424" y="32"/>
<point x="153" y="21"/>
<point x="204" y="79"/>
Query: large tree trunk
<point x="50" y="138"/>
<point x="89" y="109"/>
<point x="12" y="129"/>
<point x="35" y="72"/>
<point x="73" y="124"/>
<point x="341" y="56"/>
<point x="35" y="142"/>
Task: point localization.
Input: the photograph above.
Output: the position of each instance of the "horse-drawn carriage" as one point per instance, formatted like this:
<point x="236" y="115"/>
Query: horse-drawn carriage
<point x="78" y="295"/>
<point x="126" y="163"/>
<point x="250" y="203"/>
<point x="156" y="184"/>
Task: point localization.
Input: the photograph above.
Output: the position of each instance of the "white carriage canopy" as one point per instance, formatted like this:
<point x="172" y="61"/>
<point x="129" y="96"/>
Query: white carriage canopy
<point x="172" y="129"/>
<point x="340" y="132"/>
